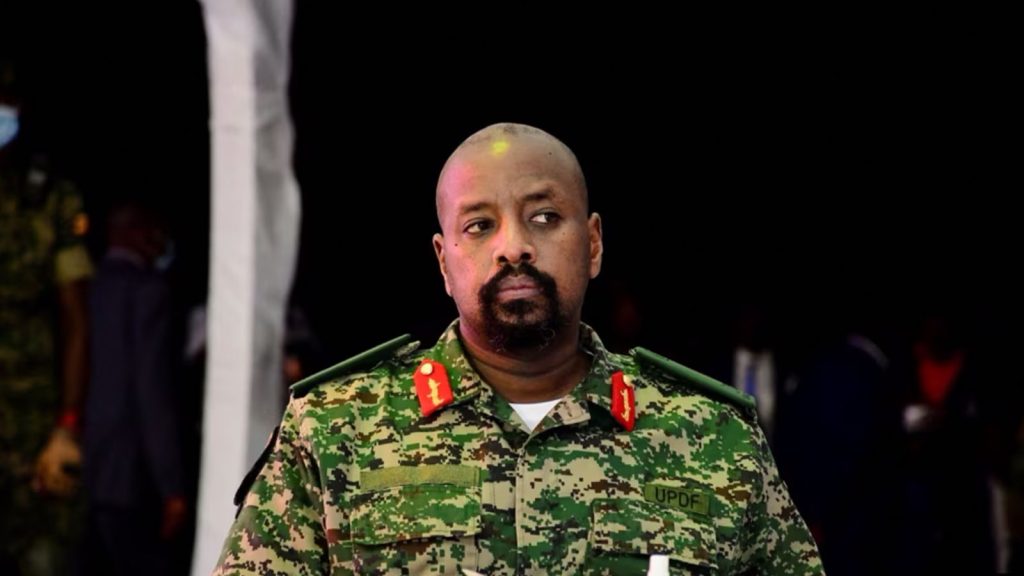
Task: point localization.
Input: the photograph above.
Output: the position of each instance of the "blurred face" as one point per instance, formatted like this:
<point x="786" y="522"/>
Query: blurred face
<point x="517" y="247"/>
<point x="141" y="236"/>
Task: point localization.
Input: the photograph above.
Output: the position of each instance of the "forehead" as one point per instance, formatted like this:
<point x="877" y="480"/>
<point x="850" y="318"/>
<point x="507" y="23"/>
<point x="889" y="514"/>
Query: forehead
<point x="508" y="167"/>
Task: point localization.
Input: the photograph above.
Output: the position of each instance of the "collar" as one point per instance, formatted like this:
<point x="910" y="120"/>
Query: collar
<point x="445" y="378"/>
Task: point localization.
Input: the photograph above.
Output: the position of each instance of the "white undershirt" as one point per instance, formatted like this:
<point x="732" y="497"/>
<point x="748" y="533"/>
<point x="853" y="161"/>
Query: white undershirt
<point x="533" y="413"/>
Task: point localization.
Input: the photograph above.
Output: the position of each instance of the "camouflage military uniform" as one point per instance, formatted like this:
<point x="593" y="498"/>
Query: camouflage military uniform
<point x="360" y="481"/>
<point x="41" y="227"/>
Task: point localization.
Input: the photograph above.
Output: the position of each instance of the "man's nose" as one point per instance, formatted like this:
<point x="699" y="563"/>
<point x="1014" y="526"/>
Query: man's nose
<point x="514" y="246"/>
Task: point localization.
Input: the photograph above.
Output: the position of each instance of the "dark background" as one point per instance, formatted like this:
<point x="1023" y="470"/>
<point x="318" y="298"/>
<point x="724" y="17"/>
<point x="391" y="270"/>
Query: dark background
<point x="829" y="180"/>
<point x="811" y="180"/>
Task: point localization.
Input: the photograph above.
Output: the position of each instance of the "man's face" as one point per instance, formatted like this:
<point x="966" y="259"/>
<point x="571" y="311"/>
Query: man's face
<point x="517" y="248"/>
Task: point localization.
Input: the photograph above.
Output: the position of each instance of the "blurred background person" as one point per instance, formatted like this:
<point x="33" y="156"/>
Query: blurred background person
<point x="836" y="442"/>
<point x="756" y="362"/>
<point x="133" y="457"/>
<point x="44" y="267"/>
<point x="947" y="507"/>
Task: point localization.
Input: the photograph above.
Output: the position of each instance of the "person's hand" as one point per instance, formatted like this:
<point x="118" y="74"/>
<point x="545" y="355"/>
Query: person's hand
<point x="58" y="464"/>
<point x="175" y="510"/>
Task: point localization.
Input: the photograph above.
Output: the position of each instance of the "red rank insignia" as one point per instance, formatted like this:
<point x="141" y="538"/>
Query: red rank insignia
<point x="432" y="386"/>
<point x="623" y="400"/>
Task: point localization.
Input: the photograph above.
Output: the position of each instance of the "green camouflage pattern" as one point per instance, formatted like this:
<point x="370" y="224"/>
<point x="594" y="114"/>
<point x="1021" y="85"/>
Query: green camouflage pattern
<point x="37" y="230"/>
<point x="359" y="482"/>
<point x="39" y="226"/>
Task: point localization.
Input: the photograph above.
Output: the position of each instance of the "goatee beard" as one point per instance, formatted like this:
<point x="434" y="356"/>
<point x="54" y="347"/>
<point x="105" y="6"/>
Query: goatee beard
<point x="506" y="324"/>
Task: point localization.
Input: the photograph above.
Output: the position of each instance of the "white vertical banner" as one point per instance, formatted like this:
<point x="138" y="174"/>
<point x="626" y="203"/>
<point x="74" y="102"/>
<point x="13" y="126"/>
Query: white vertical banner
<point x="254" y="243"/>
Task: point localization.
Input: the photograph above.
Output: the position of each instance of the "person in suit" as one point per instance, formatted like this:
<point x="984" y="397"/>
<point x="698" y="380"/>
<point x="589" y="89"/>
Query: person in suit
<point x="836" y="442"/>
<point x="133" y="472"/>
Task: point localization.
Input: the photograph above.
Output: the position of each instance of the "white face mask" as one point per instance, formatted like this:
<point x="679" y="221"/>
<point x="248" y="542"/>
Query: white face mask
<point x="8" y="124"/>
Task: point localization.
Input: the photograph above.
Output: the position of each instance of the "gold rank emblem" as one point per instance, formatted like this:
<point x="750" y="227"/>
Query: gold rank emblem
<point x="432" y="386"/>
<point x="623" y="400"/>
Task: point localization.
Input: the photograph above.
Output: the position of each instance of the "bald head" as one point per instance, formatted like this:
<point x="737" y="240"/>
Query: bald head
<point x="505" y="145"/>
<point x="512" y="202"/>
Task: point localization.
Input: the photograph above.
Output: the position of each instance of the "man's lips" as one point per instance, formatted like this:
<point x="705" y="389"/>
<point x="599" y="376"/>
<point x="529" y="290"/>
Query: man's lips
<point x="514" y="288"/>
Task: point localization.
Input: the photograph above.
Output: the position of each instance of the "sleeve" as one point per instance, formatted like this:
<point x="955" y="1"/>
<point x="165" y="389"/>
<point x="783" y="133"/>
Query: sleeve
<point x="778" y="541"/>
<point x="279" y="529"/>
<point x="72" y="261"/>
<point x="154" y="387"/>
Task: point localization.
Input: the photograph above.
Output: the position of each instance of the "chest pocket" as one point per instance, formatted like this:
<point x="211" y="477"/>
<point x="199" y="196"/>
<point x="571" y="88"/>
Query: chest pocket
<point x="625" y="533"/>
<point x="415" y="529"/>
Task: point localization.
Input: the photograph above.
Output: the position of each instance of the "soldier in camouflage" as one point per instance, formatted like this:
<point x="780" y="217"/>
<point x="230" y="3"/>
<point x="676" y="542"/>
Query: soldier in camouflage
<point x="517" y="444"/>
<point x="43" y="268"/>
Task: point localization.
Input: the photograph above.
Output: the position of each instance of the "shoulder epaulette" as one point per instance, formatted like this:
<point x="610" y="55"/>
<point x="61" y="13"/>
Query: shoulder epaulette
<point x="363" y="359"/>
<point x="704" y="383"/>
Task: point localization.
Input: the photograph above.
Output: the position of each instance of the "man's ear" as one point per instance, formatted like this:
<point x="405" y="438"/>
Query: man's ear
<point x="596" y="244"/>
<point x="439" y="251"/>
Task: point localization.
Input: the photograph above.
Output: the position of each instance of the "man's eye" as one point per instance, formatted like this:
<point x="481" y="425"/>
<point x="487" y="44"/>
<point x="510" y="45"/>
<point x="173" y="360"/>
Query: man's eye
<point x="545" y="218"/>
<point x="477" y="227"/>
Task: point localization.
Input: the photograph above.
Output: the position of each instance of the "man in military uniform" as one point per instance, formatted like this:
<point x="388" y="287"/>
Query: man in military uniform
<point x="43" y="268"/>
<point x="517" y="444"/>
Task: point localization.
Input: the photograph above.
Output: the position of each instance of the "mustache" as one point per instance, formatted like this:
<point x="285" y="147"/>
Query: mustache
<point x="547" y="284"/>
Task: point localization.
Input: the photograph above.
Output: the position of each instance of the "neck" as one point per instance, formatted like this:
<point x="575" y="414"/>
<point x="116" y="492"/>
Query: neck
<point x="532" y="375"/>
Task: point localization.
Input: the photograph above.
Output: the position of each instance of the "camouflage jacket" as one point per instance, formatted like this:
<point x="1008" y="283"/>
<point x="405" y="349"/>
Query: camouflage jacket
<point x="42" y="228"/>
<point x="361" y="481"/>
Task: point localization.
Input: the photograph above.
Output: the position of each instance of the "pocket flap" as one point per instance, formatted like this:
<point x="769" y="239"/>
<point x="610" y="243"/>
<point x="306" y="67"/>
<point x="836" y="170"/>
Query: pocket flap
<point x="415" y="511"/>
<point x="641" y="528"/>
